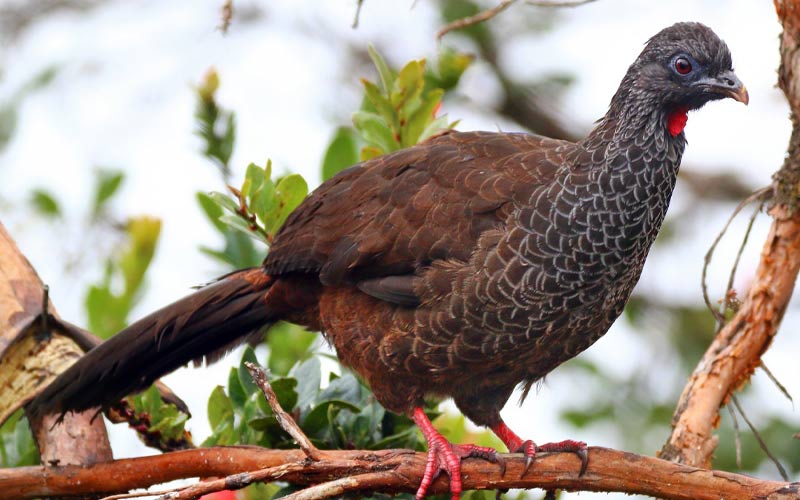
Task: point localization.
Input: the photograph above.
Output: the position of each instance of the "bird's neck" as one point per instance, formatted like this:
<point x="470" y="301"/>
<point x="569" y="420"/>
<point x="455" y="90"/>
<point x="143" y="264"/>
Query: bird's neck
<point x="633" y="159"/>
<point x="646" y="134"/>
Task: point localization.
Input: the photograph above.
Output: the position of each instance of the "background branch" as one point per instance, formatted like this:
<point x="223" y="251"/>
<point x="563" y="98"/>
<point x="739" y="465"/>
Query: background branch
<point x="736" y="351"/>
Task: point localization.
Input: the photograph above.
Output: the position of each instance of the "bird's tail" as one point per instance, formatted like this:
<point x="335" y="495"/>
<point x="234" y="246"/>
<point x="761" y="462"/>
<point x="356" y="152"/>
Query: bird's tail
<point x="203" y="325"/>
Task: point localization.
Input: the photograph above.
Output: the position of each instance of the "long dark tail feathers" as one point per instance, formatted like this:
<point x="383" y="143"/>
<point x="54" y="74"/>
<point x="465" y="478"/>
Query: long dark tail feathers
<point x="202" y="326"/>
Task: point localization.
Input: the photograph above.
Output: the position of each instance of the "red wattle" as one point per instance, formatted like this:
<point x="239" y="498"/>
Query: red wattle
<point x="676" y="120"/>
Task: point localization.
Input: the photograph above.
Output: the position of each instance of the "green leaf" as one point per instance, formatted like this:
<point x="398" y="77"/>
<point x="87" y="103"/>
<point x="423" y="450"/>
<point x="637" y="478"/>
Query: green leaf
<point x="237" y="393"/>
<point x="321" y="415"/>
<point x="253" y="179"/>
<point x="386" y="75"/>
<point x="250" y="387"/>
<point x="224" y="201"/>
<point x="342" y="152"/>
<point x="408" y="85"/>
<point x="308" y="374"/>
<point x="381" y="105"/>
<point x="45" y="203"/>
<point x="418" y="122"/>
<point x="106" y="314"/>
<point x="236" y="222"/>
<point x="290" y="192"/>
<point x="17" y="446"/>
<point x="451" y="66"/>
<point x="288" y="344"/>
<point x="108" y="183"/>
<point x="370" y="152"/>
<point x="344" y="388"/>
<point x="436" y="126"/>
<point x="228" y="139"/>
<point x="375" y="131"/>
<point x="212" y="209"/>
<point x="220" y="407"/>
<point x="143" y="233"/>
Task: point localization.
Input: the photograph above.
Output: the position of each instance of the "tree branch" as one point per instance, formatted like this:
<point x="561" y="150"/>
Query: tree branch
<point x="398" y="470"/>
<point x="480" y="17"/>
<point x="736" y="351"/>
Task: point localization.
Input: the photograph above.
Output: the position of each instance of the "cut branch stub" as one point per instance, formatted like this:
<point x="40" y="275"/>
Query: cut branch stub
<point x="30" y="358"/>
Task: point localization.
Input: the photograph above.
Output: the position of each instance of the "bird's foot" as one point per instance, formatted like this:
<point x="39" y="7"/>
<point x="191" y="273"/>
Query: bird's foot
<point x="446" y="456"/>
<point x="516" y="445"/>
<point x="529" y="448"/>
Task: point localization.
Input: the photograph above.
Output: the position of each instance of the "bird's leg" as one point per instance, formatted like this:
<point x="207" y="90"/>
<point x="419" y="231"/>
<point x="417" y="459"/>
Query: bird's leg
<point x="515" y="444"/>
<point x="444" y="455"/>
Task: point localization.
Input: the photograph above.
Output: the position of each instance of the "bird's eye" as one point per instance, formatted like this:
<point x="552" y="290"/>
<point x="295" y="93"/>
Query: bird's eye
<point x="683" y="66"/>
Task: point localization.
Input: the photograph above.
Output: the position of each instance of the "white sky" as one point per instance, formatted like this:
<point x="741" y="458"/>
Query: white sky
<point x="122" y="99"/>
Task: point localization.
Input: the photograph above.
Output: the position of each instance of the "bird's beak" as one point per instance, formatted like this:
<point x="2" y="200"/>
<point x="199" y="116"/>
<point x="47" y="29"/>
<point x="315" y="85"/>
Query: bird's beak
<point x="726" y="84"/>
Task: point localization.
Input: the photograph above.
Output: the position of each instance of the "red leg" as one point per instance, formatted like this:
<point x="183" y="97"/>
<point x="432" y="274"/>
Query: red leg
<point x="515" y="444"/>
<point x="443" y="455"/>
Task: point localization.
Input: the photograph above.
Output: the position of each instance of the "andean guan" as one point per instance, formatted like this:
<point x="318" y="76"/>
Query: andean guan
<point x="461" y="267"/>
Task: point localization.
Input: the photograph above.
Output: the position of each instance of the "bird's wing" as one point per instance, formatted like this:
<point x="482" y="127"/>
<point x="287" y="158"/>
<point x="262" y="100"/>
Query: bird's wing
<point x="394" y="214"/>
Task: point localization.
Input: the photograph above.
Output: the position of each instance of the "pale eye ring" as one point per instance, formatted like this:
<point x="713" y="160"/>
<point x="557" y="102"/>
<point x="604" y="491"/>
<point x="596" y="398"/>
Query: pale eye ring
<point x="683" y="66"/>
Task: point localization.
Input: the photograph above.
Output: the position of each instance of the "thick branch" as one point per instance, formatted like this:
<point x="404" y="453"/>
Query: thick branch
<point x="609" y="470"/>
<point x="30" y="356"/>
<point x="737" y="349"/>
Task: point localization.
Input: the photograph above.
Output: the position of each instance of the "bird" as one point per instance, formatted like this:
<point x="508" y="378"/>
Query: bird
<point x="464" y="267"/>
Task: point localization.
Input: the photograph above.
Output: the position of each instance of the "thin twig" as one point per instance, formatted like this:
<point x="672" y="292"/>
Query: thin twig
<point x="359" y="3"/>
<point x="778" y="384"/>
<point x="575" y="3"/>
<point x="227" y="15"/>
<point x="341" y="486"/>
<point x="725" y="303"/>
<point x="737" y="437"/>
<point x="232" y="482"/>
<point x="757" y="195"/>
<point x="284" y="419"/>
<point x="760" y="440"/>
<point x="480" y="17"/>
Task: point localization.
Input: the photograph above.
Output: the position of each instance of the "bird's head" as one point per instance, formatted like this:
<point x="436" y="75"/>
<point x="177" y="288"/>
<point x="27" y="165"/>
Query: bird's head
<point x="688" y="64"/>
<point x="681" y="68"/>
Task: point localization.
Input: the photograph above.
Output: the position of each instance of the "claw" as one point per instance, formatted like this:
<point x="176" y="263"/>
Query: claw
<point x="579" y="448"/>
<point x="516" y="445"/>
<point x="502" y="463"/>
<point x="445" y="456"/>
<point x="583" y="454"/>
<point x="529" y="449"/>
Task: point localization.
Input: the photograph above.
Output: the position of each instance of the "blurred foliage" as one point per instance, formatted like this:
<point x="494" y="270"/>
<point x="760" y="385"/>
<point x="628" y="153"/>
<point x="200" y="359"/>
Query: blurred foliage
<point x="17" y="447"/>
<point x="260" y="207"/>
<point x="109" y="302"/>
<point x="399" y="111"/>
<point x="216" y="127"/>
<point x="9" y="109"/>
<point x="159" y="425"/>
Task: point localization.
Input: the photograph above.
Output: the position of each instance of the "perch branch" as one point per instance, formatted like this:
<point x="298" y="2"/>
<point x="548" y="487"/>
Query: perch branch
<point x="609" y="470"/>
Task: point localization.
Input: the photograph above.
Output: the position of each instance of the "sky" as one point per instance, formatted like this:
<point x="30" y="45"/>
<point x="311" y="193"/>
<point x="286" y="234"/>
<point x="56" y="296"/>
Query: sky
<point x="122" y="98"/>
